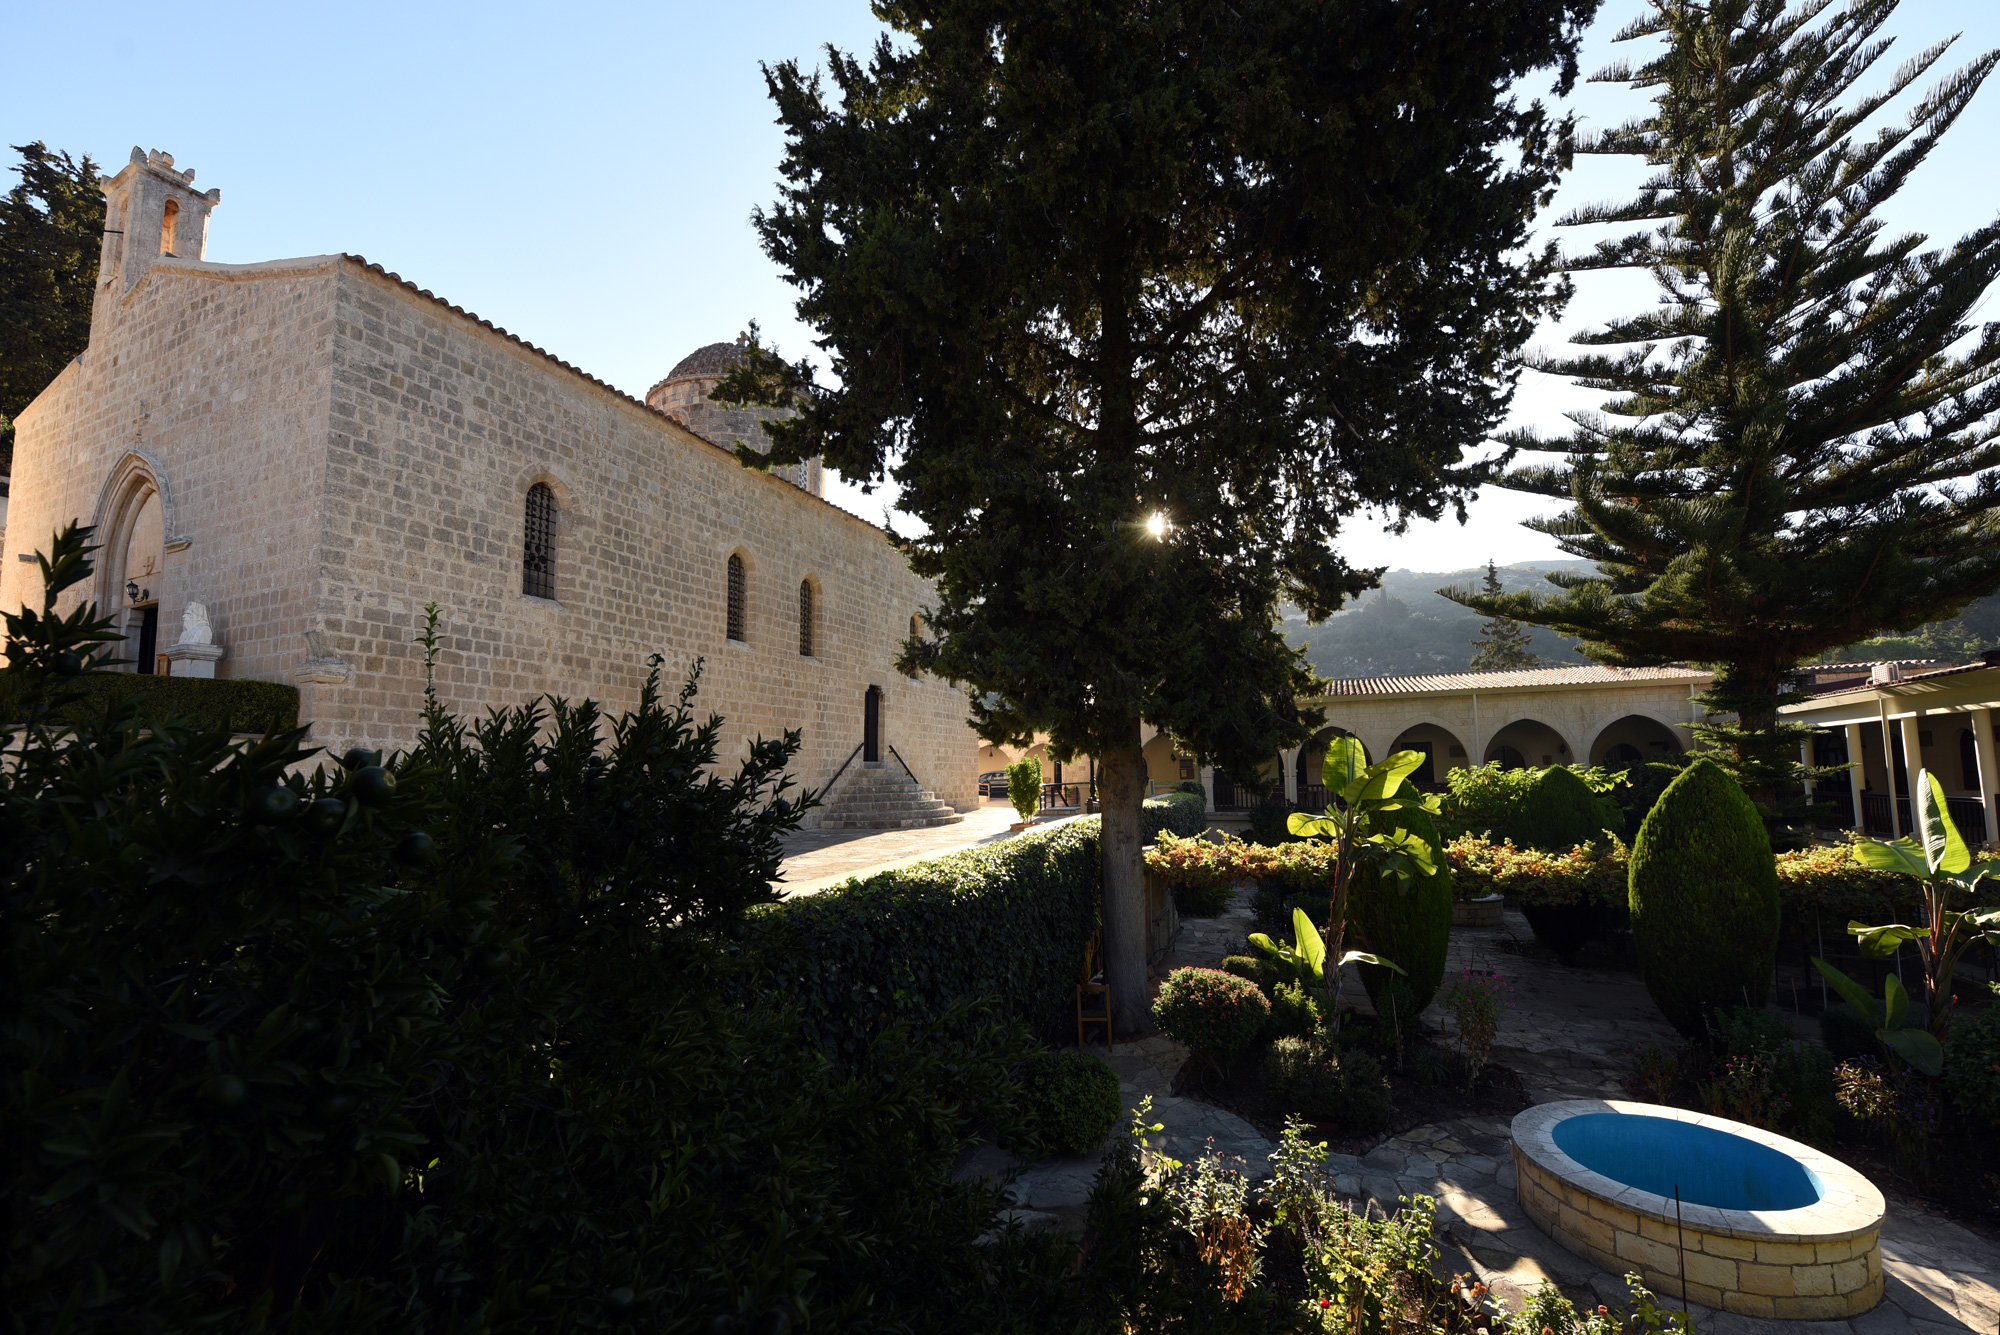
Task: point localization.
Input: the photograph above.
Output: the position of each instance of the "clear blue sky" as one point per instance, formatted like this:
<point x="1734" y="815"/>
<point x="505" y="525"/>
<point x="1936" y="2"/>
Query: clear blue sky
<point x="584" y="175"/>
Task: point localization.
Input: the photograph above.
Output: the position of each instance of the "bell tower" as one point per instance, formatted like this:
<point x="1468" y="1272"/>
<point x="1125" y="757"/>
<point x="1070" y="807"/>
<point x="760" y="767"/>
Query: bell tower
<point x="150" y="210"/>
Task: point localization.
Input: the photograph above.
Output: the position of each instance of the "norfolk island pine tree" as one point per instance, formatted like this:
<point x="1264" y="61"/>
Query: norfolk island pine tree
<point x="1136" y="303"/>
<point x="1796" y="460"/>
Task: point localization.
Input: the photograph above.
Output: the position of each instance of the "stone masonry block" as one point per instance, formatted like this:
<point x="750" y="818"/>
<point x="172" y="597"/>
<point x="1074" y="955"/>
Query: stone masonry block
<point x="1851" y="1275"/>
<point x="1812" y="1280"/>
<point x="1815" y="1308"/>
<point x="1644" y="1252"/>
<point x="1774" y="1280"/>
<point x="1714" y="1271"/>
<point x="1591" y="1232"/>
<point x="1748" y="1304"/>
<point x="1786" y="1253"/>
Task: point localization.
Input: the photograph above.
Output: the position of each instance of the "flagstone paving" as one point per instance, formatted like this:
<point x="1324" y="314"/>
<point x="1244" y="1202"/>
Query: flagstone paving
<point x="1570" y="1034"/>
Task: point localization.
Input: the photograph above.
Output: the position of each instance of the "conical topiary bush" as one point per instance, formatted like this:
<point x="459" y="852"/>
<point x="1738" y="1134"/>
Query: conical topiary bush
<point x="1704" y="899"/>
<point x="1559" y="812"/>
<point x="1409" y="924"/>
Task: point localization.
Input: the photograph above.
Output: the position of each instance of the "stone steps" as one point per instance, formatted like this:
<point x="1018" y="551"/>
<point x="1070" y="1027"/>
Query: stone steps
<point x="880" y="796"/>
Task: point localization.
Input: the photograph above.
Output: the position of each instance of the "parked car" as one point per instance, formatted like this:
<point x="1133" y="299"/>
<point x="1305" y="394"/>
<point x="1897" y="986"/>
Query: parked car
<point x="993" y="783"/>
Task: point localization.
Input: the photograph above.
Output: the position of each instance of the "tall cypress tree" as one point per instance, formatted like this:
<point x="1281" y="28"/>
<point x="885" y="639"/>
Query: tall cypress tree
<point x="51" y="228"/>
<point x="1794" y="459"/>
<point x="1137" y="300"/>
<point x="1502" y="643"/>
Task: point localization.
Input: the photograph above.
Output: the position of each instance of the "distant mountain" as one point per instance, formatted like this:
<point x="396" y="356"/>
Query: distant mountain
<point x="1406" y="627"/>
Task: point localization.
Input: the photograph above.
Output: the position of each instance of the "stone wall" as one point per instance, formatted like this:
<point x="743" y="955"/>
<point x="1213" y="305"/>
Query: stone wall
<point x="334" y="449"/>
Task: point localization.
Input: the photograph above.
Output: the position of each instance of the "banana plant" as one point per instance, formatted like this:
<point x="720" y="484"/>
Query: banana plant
<point x="1363" y="826"/>
<point x="1304" y="956"/>
<point x="1896" y="1026"/>
<point x="1937" y="857"/>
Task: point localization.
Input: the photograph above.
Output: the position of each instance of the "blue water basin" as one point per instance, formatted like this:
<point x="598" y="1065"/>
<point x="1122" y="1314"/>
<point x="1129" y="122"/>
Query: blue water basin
<point x="1709" y="1167"/>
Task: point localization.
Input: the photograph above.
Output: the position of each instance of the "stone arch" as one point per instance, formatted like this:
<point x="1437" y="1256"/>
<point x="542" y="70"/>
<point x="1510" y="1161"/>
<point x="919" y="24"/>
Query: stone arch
<point x="1441" y="747"/>
<point x="135" y="505"/>
<point x="1633" y="739"/>
<point x="1530" y="743"/>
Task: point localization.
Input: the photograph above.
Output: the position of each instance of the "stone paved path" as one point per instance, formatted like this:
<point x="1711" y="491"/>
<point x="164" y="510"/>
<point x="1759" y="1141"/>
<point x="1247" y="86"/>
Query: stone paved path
<point x="818" y="860"/>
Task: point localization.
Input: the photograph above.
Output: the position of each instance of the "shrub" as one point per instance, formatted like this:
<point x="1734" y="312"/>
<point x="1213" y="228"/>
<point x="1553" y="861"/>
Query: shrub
<point x="1024" y="786"/>
<point x="1559" y="812"/>
<point x="1327" y="1084"/>
<point x="1194" y="788"/>
<point x="1215" y="1013"/>
<point x="1202" y="874"/>
<point x="1477" y="1001"/>
<point x="1972" y="1062"/>
<point x="381" y="1056"/>
<point x="1795" y="1079"/>
<point x="1178" y="812"/>
<point x="215" y="704"/>
<point x="1294" y="1012"/>
<point x="1265" y="972"/>
<point x="1490" y="801"/>
<point x="1071" y="1099"/>
<point x="1406" y="922"/>
<point x="1704" y="900"/>
<point x="1004" y="925"/>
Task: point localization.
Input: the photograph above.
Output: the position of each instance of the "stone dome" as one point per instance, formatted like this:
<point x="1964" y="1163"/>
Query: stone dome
<point x="706" y="363"/>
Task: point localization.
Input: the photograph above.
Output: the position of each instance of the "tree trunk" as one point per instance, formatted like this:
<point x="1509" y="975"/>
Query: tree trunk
<point x="1122" y="788"/>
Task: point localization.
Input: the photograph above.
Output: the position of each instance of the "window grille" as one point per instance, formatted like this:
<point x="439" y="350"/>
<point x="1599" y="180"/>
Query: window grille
<point x="538" y="553"/>
<point x="805" y="619"/>
<point x="736" y="600"/>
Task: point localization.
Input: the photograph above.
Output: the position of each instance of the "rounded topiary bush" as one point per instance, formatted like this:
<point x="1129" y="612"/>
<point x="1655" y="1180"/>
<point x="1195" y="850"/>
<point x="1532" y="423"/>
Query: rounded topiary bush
<point x="1215" y="1013"/>
<point x="1071" y="1100"/>
<point x="1559" y="812"/>
<point x="1326" y="1084"/>
<point x="1704" y="898"/>
<point x="1294" y="1012"/>
<point x="1262" y="970"/>
<point x="1407" y="922"/>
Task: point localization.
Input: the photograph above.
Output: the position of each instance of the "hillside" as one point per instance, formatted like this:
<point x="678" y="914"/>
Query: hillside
<point x="1405" y="626"/>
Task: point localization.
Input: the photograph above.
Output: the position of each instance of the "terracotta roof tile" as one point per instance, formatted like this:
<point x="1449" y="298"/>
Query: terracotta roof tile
<point x="1594" y="674"/>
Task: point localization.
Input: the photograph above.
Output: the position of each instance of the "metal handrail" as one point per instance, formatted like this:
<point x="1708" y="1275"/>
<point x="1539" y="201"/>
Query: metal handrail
<point x="905" y="764"/>
<point x="843" y="767"/>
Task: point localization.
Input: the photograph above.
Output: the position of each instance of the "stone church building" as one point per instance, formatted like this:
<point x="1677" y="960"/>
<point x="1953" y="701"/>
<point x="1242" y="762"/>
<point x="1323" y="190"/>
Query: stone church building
<point x="315" y="448"/>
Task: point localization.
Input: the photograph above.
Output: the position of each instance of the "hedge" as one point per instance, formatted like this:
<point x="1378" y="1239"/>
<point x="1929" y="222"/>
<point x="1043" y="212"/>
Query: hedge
<point x="238" y="703"/>
<point x="1005" y="925"/>
<point x="1824" y="878"/>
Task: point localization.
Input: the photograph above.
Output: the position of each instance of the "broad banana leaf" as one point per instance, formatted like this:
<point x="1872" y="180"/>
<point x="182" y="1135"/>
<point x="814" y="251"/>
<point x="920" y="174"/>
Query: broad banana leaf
<point x="1363" y="957"/>
<point x="1895" y="1002"/>
<point x="1903" y="857"/>
<point x="1385" y="779"/>
<point x="1346" y="762"/>
<point x="1312" y="950"/>
<point x="1308" y="826"/>
<point x="1944" y="850"/>
<point x="1881" y="942"/>
<point x="1851" y="992"/>
<point x="1917" y="1047"/>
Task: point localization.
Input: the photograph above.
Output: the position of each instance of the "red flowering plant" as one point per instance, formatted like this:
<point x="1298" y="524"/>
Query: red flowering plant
<point x="1215" y="1013"/>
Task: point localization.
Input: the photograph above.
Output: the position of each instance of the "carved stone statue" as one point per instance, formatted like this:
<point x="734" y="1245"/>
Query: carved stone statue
<point x="194" y="625"/>
<point x="196" y="653"/>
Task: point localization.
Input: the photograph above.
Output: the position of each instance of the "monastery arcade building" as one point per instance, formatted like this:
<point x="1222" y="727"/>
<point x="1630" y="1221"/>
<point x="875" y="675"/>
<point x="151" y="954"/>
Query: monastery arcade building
<point x="313" y="449"/>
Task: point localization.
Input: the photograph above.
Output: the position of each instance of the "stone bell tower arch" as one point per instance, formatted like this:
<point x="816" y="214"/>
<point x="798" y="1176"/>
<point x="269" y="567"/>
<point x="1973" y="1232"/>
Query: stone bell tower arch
<point x="151" y="209"/>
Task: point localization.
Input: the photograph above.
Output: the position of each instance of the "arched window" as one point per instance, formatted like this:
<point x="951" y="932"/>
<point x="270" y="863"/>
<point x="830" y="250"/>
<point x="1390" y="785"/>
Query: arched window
<point x="538" y="551"/>
<point x="805" y="618"/>
<point x="737" y="600"/>
<point x="916" y="633"/>
<point x="169" y="225"/>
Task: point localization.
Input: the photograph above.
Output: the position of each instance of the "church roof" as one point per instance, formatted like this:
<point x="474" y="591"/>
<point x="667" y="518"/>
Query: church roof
<point x="1594" y="674"/>
<point x="705" y="363"/>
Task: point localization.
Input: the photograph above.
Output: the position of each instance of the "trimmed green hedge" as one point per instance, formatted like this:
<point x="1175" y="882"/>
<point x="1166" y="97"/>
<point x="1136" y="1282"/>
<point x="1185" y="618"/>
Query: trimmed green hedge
<point x="1005" y="925"/>
<point x="237" y="703"/>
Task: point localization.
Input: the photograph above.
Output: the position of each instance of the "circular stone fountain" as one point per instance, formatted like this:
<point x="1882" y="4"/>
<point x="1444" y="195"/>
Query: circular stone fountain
<point x="1765" y="1226"/>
